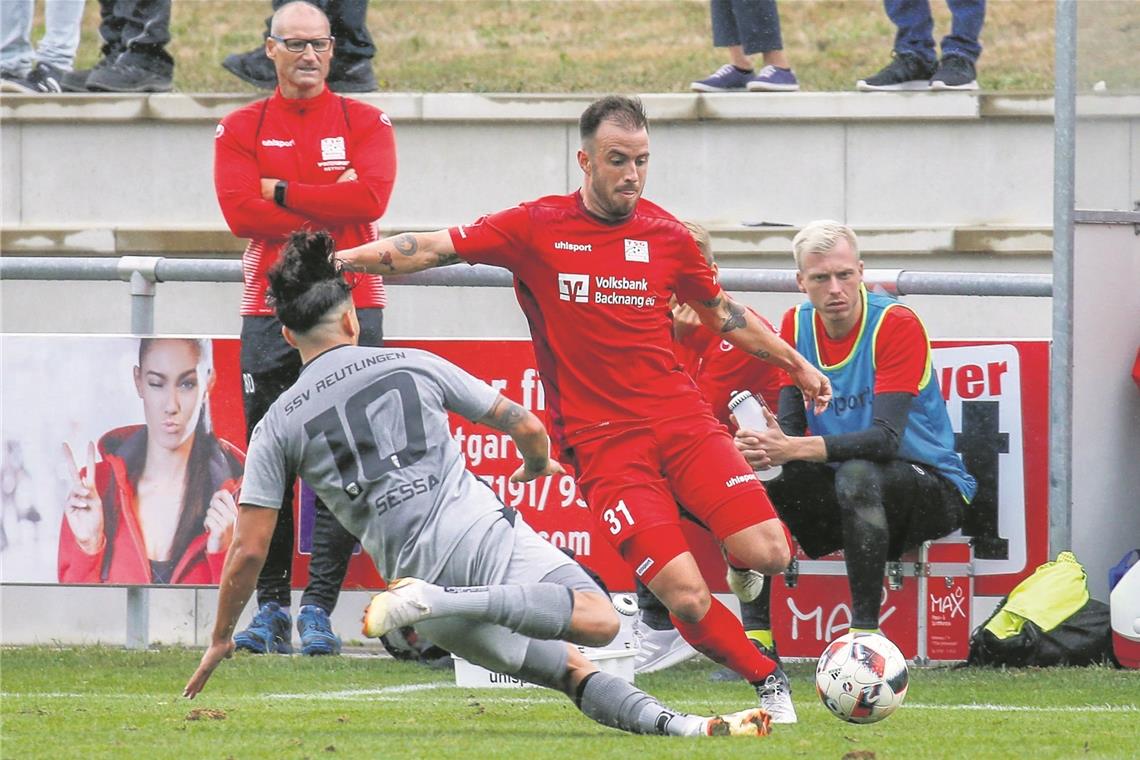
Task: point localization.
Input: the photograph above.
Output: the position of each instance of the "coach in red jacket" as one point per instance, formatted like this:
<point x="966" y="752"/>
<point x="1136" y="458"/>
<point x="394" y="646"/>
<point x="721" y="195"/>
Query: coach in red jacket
<point x="302" y="158"/>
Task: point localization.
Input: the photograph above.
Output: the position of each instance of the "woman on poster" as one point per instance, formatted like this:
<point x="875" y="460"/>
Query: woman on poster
<point x="159" y="505"/>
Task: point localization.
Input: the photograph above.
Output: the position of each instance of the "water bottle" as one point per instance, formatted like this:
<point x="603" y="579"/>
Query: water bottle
<point x="749" y="414"/>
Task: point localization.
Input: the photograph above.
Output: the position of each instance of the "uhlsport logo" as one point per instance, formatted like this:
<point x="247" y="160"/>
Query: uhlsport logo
<point x="574" y="287"/>
<point x="274" y="143"/>
<point x="332" y="149"/>
<point x="563" y="245"/>
<point x="637" y="250"/>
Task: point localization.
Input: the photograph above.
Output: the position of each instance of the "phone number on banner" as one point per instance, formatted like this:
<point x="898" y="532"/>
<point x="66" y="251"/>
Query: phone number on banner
<point x="538" y="493"/>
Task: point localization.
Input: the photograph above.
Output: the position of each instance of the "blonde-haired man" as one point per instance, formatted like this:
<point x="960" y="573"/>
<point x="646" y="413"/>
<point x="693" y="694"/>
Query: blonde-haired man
<point x="878" y="474"/>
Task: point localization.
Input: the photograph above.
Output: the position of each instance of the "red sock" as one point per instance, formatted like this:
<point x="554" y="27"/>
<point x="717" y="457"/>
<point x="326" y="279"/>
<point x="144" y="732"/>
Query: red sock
<point x="720" y="637"/>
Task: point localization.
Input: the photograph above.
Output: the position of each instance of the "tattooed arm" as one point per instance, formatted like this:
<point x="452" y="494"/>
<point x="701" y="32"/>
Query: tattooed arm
<point x="401" y="254"/>
<point x="741" y="328"/>
<point x="528" y="434"/>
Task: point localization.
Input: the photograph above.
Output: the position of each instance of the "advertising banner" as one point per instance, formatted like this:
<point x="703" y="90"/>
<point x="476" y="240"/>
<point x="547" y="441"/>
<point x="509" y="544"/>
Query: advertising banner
<point x="99" y="395"/>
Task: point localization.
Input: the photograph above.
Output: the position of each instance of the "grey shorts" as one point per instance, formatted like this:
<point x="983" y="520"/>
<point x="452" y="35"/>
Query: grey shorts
<point x="532" y="560"/>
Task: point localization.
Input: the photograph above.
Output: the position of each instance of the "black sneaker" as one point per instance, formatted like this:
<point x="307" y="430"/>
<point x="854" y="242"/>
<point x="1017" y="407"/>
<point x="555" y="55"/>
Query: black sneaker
<point x="126" y="77"/>
<point x="956" y="72"/>
<point x="15" y="83"/>
<point x="906" y="71"/>
<point x="76" y="81"/>
<point x="45" y="79"/>
<point x="252" y="67"/>
<point x="349" y="75"/>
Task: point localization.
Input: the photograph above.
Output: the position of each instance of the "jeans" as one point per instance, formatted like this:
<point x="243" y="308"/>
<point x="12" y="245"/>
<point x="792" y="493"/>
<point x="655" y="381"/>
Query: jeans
<point x="58" y="45"/>
<point x="915" y="25"/>
<point x="136" y="32"/>
<point x="269" y="367"/>
<point x="346" y="21"/>
<point x="752" y="24"/>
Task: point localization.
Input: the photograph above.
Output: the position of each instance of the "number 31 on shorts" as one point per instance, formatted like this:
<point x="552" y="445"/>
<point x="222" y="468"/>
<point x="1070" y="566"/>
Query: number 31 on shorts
<point x="618" y="517"/>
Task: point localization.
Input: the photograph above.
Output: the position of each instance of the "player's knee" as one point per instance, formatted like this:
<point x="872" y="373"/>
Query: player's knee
<point x="595" y="622"/>
<point x="775" y="551"/>
<point x="855" y="480"/>
<point x="688" y="604"/>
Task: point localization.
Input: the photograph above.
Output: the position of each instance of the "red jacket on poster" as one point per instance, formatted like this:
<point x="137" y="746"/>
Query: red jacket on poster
<point x="127" y="559"/>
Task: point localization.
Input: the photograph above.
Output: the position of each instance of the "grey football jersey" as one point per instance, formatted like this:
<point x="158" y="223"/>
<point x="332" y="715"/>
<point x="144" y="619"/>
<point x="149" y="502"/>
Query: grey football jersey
<point x="366" y="428"/>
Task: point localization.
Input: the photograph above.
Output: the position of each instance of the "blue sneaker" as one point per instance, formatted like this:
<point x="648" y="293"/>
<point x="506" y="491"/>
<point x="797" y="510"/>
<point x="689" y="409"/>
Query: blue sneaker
<point x="727" y="78"/>
<point x="269" y="632"/>
<point x="774" y="79"/>
<point x="317" y="636"/>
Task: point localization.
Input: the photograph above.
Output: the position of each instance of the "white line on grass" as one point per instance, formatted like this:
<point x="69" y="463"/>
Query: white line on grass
<point x="1029" y="708"/>
<point x="399" y="693"/>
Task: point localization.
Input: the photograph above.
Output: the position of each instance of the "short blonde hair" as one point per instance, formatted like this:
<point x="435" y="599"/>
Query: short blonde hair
<point x="702" y="239"/>
<point x="821" y="236"/>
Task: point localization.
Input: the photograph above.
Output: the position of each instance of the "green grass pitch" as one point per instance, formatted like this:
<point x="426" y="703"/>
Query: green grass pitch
<point x="101" y="702"/>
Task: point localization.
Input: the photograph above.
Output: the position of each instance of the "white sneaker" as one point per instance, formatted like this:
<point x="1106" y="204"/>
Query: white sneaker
<point x="401" y="605"/>
<point x="657" y="650"/>
<point x="744" y="582"/>
<point x="753" y="722"/>
<point x="776" y="697"/>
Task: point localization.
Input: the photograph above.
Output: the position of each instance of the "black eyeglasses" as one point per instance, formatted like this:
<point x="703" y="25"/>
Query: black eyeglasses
<point x="297" y="44"/>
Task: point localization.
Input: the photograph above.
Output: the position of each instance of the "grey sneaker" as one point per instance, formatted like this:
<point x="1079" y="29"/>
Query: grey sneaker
<point x="657" y="650"/>
<point x="252" y="67"/>
<point x="76" y="81"/>
<point x="956" y="72"/>
<point x="906" y="71"/>
<point x="776" y="697"/>
<point x="126" y="77"/>
<point x="352" y="75"/>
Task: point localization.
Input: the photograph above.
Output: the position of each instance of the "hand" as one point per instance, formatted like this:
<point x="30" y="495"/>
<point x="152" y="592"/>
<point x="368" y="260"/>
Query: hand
<point x="211" y="659"/>
<point x="764" y="448"/>
<point x="525" y="474"/>
<point x="348" y="176"/>
<point x="220" y="518"/>
<point x="685" y="320"/>
<point x="268" y="185"/>
<point x="814" y="384"/>
<point x="84" y="507"/>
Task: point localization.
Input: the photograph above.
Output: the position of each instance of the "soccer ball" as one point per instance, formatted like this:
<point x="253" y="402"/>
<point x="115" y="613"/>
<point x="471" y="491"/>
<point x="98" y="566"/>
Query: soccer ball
<point x="861" y="679"/>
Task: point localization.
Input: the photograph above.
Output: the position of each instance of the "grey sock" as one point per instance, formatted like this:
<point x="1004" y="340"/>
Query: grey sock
<point x="539" y="610"/>
<point x="617" y="703"/>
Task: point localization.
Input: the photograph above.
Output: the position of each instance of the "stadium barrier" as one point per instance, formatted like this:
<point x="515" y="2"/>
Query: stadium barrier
<point x="144" y="273"/>
<point x="943" y="575"/>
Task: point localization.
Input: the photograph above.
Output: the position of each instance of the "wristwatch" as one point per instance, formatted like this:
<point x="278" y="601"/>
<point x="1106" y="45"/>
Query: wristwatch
<point x="279" y="192"/>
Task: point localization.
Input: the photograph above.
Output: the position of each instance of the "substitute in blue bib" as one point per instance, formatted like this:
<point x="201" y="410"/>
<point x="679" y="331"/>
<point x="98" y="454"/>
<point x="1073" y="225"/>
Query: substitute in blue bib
<point x="876" y="472"/>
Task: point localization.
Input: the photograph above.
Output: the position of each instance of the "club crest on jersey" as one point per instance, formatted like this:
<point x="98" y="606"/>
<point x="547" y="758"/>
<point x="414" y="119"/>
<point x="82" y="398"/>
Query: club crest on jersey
<point x="332" y="149"/>
<point x="637" y="250"/>
<point x="574" y="287"/>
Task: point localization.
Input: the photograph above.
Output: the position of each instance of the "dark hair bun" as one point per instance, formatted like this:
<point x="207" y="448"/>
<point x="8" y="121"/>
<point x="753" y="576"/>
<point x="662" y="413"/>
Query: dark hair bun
<point x="307" y="281"/>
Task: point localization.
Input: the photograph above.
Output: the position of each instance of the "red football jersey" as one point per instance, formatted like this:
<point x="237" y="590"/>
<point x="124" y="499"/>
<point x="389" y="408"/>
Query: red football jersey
<point x="596" y="296"/>
<point x="900" y="349"/>
<point x="721" y="369"/>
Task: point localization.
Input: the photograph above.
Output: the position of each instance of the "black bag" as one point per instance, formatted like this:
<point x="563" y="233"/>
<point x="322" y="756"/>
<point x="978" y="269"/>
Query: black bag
<point x="1085" y="638"/>
<point x="1052" y="621"/>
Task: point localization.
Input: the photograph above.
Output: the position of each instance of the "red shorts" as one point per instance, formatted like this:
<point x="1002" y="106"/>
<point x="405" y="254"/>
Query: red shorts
<point x="634" y="476"/>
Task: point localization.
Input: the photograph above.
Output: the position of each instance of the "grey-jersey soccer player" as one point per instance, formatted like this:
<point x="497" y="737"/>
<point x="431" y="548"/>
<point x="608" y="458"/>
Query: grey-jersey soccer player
<point x="367" y="429"/>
